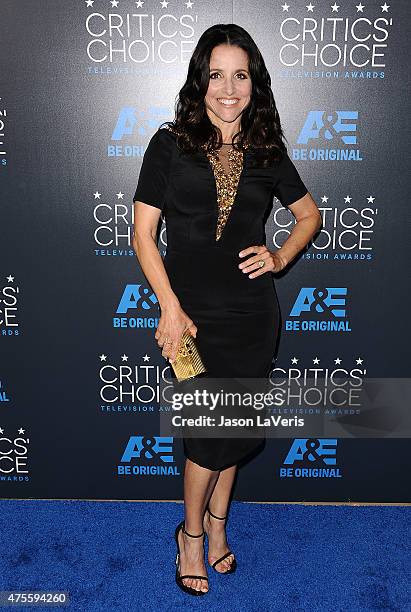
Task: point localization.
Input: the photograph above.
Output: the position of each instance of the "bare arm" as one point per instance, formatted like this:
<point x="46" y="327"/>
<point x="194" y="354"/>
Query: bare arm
<point x="173" y="320"/>
<point x="309" y="221"/>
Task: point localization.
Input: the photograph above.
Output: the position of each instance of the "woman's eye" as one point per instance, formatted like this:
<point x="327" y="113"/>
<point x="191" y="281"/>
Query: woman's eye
<point x="241" y="74"/>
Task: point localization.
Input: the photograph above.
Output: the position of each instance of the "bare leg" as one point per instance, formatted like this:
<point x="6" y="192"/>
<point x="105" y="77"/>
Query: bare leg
<point x="198" y="484"/>
<point x="215" y="528"/>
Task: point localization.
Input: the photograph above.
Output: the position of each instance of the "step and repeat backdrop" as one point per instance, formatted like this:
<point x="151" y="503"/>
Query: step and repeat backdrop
<point x="84" y="86"/>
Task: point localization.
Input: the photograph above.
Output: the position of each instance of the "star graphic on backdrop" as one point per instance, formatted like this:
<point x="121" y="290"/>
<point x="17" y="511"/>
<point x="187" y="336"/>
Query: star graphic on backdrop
<point x="189" y="4"/>
<point x="140" y="3"/>
<point x="385" y="7"/>
<point x="370" y="199"/>
<point x="114" y="3"/>
<point x="294" y="360"/>
<point x="120" y="195"/>
<point x="337" y="361"/>
<point x="324" y="199"/>
<point x="146" y="357"/>
<point x="164" y="4"/>
<point x="347" y="199"/>
<point x="103" y="357"/>
<point x="10" y="278"/>
<point x="285" y="7"/>
<point x="96" y="195"/>
<point x="89" y="3"/>
<point x="316" y="360"/>
<point x="124" y="357"/>
<point x="335" y="7"/>
<point x="359" y="361"/>
<point x="359" y="7"/>
<point x="310" y="7"/>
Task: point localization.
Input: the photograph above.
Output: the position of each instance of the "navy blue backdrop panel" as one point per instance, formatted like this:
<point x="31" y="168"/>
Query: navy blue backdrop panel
<point x="84" y="86"/>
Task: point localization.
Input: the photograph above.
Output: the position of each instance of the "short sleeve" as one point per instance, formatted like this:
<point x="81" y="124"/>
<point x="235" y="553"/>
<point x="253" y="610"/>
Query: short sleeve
<point x="154" y="172"/>
<point x="289" y="186"/>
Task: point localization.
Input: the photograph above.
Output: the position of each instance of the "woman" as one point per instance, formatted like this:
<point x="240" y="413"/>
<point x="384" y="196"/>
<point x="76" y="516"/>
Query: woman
<point x="213" y="172"/>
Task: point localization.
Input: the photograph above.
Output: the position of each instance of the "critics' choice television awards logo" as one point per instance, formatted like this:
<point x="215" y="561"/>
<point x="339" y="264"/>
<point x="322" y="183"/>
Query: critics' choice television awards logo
<point x="330" y="135"/>
<point x="133" y="130"/>
<point x="148" y="456"/>
<point x="347" y="233"/>
<point x="318" y="389"/>
<point x="113" y="220"/>
<point x="9" y="298"/>
<point x="125" y="37"/>
<point x="311" y="458"/>
<point x="338" y="41"/>
<point x="136" y="308"/>
<point x="14" y="447"/>
<point x="127" y="387"/>
<point x="319" y="310"/>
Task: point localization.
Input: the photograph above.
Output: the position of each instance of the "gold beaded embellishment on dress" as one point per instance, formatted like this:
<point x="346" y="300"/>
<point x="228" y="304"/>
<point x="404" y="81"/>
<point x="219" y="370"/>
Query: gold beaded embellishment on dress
<point x="226" y="184"/>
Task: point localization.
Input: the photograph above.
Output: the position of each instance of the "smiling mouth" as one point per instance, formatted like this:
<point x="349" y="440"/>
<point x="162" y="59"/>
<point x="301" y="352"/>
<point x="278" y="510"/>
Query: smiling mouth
<point x="228" y="101"/>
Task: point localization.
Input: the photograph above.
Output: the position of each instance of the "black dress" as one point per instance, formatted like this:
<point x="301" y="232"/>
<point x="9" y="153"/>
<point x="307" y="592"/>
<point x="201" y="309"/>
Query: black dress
<point x="210" y="217"/>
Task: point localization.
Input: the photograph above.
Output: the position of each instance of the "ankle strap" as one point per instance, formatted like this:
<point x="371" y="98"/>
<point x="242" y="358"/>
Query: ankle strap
<point x="190" y="535"/>
<point x="220" y="518"/>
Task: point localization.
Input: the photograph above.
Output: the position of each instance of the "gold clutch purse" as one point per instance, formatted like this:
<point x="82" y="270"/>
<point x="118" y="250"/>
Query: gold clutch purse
<point x="187" y="363"/>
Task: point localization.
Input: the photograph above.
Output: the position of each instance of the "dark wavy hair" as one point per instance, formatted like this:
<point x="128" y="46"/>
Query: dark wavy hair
<point x="260" y="122"/>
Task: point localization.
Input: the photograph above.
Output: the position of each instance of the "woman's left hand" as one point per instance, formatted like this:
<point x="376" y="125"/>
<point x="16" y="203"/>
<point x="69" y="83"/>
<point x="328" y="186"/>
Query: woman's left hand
<point x="273" y="262"/>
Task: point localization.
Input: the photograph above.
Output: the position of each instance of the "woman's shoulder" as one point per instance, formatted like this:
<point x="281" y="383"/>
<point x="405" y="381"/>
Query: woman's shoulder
<point x="166" y="133"/>
<point x="162" y="134"/>
<point x="162" y="141"/>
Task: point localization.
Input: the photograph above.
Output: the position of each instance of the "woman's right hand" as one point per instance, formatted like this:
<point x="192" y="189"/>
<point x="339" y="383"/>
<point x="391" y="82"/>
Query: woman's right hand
<point x="173" y="322"/>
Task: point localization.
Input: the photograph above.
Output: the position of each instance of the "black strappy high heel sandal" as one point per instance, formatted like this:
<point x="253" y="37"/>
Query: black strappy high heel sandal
<point x="233" y="565"/>
<point x="179" y="578"/>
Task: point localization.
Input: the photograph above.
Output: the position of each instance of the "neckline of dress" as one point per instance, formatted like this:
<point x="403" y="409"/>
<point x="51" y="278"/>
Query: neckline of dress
<point x="230" y="144"/>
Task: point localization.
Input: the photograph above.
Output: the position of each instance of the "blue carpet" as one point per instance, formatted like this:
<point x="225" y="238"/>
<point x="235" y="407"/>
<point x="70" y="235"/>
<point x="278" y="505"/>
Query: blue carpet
<point x="120" y="556"/>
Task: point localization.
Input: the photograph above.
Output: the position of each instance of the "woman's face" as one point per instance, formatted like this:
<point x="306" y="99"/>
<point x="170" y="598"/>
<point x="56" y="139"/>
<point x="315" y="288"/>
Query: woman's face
<point x="229" y="89"/>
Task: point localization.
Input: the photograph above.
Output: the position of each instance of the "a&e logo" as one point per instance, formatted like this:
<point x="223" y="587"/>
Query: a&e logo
<point x="131" y="124"/>
<point x="328" y="135"/>
<point x="136" y="298"/>
<point x="148" y="456"/>
<point x="320" y="310"/>
<point x="311" y="458"/>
